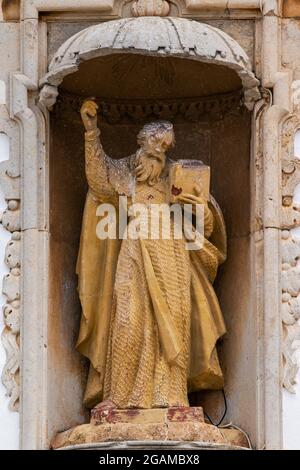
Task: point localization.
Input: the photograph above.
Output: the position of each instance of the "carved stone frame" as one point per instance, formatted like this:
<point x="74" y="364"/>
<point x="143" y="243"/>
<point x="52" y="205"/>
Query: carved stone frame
<point x="268" y="137"/>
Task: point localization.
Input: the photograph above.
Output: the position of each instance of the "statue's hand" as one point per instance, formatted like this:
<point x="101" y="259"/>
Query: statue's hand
<point x="89" y="114"/>
<point x="193" y="199"/>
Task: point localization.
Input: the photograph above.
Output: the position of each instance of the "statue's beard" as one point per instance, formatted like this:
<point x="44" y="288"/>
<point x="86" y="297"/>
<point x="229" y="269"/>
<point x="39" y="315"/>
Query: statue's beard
<point x="149" y="168"/>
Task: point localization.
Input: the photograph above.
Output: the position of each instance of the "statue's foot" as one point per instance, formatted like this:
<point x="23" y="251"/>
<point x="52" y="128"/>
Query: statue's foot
<point x="103" y="406"/>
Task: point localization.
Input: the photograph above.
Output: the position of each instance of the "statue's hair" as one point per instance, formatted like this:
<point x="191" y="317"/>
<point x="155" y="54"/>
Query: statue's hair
<point x="156" y="129"/>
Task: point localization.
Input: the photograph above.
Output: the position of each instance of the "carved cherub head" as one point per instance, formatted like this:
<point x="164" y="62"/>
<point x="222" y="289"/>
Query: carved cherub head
<point x="154" y="139"/>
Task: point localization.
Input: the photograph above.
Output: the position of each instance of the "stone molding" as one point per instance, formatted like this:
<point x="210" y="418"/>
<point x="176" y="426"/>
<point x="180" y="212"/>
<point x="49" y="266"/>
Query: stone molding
<point x="32" y="8"/>
<point x="14" y="10"/>
<point x="212" y="108"/>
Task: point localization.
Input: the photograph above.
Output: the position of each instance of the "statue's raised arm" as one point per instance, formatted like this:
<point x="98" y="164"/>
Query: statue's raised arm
<point x="96" y="162"/>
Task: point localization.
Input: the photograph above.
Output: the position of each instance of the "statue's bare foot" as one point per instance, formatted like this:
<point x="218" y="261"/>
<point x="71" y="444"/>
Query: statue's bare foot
<point x="105" y="405"/>
<point x="103" y="412"/>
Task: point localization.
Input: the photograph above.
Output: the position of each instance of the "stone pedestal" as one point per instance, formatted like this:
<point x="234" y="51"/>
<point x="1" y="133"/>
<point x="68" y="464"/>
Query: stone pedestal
<point x="175" y="427"/>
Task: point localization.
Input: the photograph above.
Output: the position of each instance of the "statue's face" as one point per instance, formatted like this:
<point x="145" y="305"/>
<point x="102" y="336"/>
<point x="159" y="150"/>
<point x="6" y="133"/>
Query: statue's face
<point x="152" y="158"/>
<point x="157" y="146"/>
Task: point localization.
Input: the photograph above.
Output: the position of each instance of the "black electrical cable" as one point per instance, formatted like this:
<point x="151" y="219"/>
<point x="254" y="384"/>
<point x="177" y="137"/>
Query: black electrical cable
<point x="224" y="413"/>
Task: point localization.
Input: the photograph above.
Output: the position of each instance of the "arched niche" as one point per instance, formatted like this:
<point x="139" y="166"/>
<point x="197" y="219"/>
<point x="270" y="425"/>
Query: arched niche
<point x="141" y="69"/>
<point x="167" y="38"/>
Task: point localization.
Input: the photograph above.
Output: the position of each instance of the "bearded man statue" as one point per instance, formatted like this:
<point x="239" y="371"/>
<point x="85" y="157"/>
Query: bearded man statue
<point x="150" y="316"/>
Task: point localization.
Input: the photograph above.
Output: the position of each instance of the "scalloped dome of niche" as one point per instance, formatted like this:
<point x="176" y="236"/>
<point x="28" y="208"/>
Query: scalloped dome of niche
<point x="151" y="57"/>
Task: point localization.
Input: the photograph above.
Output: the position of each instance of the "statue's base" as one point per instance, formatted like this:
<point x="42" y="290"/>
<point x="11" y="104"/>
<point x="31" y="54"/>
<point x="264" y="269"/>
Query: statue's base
<point x="163" y="428"/>
<point x="152" y="445"/>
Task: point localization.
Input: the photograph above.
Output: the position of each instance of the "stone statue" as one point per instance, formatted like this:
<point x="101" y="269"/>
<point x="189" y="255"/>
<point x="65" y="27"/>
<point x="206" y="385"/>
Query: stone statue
<point x="150" y="316"/>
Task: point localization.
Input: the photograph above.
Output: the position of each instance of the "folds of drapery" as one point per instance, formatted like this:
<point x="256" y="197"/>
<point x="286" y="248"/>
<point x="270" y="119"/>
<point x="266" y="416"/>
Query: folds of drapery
<point x="96" y="268"/>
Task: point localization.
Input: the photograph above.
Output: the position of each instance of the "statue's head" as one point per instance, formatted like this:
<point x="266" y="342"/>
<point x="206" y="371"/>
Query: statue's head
<point x="154" y="139"/>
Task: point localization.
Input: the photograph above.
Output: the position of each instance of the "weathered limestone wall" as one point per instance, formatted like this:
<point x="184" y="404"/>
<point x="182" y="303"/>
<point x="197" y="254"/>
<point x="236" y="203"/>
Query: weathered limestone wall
<point x="290" y="45"/>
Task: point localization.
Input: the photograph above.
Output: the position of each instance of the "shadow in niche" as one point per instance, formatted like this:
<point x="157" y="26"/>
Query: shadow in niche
<point x="224" y="144"/>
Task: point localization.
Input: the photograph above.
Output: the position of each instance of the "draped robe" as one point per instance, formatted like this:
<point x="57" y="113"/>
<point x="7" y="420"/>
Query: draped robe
<point x="150" y="316"/>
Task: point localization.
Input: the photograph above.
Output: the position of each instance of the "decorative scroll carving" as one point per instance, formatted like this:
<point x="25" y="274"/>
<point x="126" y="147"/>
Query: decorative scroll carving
<point x="211" y="108"/>
<point x="10" y="219"/>
<point x="10" y="336"/>
<point x="11" y="289"/>
<point x="290" y="253"/>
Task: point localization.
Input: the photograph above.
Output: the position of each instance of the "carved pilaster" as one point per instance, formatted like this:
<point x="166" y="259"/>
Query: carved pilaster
<point x="290" y="252"/>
